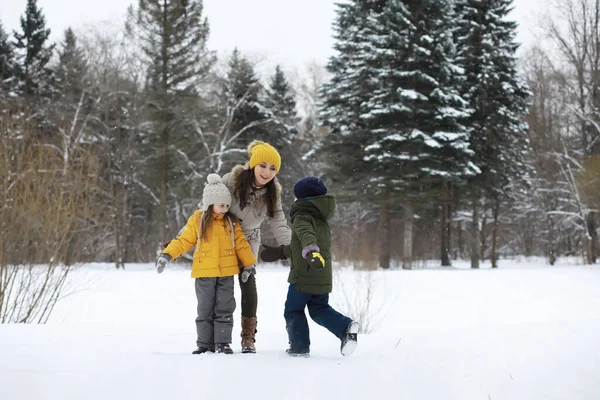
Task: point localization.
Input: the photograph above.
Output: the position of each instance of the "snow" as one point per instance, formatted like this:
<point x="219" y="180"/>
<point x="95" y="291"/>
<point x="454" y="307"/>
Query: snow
<point x="448" y="136"/>
<point x="524" y="331"/>
<point x="411" y="94"/>
<point x="396" y="137"/>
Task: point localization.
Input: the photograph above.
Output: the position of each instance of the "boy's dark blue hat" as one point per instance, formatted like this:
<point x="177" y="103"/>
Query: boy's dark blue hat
<point x="310" y="186"/>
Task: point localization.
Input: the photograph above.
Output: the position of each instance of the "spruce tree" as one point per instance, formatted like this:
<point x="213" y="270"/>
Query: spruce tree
<point x="353" y="80"/>
<point x="498" y="98"/>
<point x="72" y="67"/>
<point x="34" y="51"/>
<point x="243" y="92"/>
<point x="7" y="66"/>
<point x="495" y="91"/>
<point x="351" y="67"/>
<point x="393" y="104"/>
<point x="419" y="143"/>
<point x="395" y="115"/>
<point x="172" y="35"/>
<point x="6" y="56"/>
<point x="281" y="104"/>
<point x="280" y="98"/>
<point x="416" y="115"/>
<point x="75" y="101"/>
<point x="283" y="132"/>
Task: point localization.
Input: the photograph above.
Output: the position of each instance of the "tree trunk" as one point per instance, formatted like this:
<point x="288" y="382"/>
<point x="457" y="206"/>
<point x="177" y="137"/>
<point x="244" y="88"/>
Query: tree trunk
<point x="592" y="238"/>
<point x="126" y="218"/>
<point x="475" y="242"/>
<point x="164" y="137"/>
<point x="552" y="242"/>
<point x="164" y="165"/>
<point x="116" y="185"/>
<point x="408" y="232"/>
<point x="446" y="220"/>
<point x="384" y="235"/>
<point x="460" y="244"/>
<point x="528" y="239"/>
<point x="482" y="237"/>
<point x="114" y="209"/>
<point x="117" y="229"/>
<point x="120" y="227"/>
<point x="495" y="226"/>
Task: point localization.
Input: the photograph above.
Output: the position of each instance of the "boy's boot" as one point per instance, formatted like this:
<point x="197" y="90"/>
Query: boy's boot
<point x="248" y="334"/>
<point x="350" y="339"/>
<point x="224" y="348"/>
<point x="297" y="354"/>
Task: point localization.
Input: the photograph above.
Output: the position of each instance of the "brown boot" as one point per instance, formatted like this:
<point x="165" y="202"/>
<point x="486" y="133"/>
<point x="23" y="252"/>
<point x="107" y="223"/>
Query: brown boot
<point x="248" y="332"/>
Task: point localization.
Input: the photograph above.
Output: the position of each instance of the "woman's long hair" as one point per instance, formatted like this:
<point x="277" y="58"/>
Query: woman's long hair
<point x="207" y="220"/>
<point x="245" y="184"/>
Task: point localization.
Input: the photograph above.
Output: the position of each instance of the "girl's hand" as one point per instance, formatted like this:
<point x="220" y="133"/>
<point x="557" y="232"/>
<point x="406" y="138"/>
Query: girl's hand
<point x="162" y="262"/>
<point x="251" y="270"/>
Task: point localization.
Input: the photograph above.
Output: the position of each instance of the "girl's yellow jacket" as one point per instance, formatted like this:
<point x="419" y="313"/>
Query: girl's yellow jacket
<point x="217" y="257"/>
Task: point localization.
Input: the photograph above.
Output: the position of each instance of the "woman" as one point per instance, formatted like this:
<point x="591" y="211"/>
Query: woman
<point x="256" y="195"/>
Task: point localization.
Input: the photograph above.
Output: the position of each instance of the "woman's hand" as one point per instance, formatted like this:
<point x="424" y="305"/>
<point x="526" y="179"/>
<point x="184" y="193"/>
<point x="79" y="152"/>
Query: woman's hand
<point x="272" y="254"/>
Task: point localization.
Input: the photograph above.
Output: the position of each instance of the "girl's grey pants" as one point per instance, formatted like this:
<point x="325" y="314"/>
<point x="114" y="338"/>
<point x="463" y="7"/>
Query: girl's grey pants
<point x="216" y="305"/>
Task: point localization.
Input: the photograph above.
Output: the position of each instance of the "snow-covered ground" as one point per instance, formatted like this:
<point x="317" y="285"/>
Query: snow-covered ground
<point x="525" y="331"/>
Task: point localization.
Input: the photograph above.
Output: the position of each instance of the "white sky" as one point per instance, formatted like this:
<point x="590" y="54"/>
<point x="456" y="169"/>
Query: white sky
<point x="292" y="32"/>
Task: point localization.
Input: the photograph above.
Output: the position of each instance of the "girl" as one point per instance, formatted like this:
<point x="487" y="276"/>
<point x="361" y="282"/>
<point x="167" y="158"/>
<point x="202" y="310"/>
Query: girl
<point x="256" y="197"/>
<point x="221" y="248"/>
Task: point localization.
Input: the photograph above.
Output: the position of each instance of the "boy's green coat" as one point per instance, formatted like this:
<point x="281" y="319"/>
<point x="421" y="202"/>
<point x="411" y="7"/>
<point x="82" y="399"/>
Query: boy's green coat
<point x="310" y="227"/>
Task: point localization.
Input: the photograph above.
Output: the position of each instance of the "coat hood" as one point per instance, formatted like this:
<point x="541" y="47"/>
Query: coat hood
<point x="319" y="206"/>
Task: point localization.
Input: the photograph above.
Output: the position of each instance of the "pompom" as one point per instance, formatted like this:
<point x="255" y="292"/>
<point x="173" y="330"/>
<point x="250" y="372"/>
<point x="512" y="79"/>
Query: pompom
<point x="213" y="179"/>
<point x="252" y="144"/>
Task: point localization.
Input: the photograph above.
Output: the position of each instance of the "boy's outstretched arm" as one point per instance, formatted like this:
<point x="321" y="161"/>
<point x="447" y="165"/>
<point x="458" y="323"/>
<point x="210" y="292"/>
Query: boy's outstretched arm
<point x="304" y="226"/>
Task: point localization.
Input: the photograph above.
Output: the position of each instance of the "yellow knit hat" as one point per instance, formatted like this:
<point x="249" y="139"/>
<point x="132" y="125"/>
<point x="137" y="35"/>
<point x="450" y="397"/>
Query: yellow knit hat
<point x="260" y="152"/>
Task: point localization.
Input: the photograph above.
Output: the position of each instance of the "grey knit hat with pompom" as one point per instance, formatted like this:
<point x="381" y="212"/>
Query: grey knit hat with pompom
<point x="215" y="192"/>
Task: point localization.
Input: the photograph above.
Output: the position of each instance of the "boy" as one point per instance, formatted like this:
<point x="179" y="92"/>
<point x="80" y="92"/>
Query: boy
<point x="310" y="276"/>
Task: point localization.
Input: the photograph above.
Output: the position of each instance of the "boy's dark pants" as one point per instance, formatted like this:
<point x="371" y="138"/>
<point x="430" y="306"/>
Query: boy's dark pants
<point x="320" y="311"/>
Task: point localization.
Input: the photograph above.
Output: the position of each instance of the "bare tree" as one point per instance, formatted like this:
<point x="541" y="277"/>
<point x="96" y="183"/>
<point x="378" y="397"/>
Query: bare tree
<point x="307" y="85"/>
<point x="365" y="298"/>
<point x="576" y="35"/>
<point x="117" y="76"/>
<point x="42" y="207"/>
<point x="539" y="207"/>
